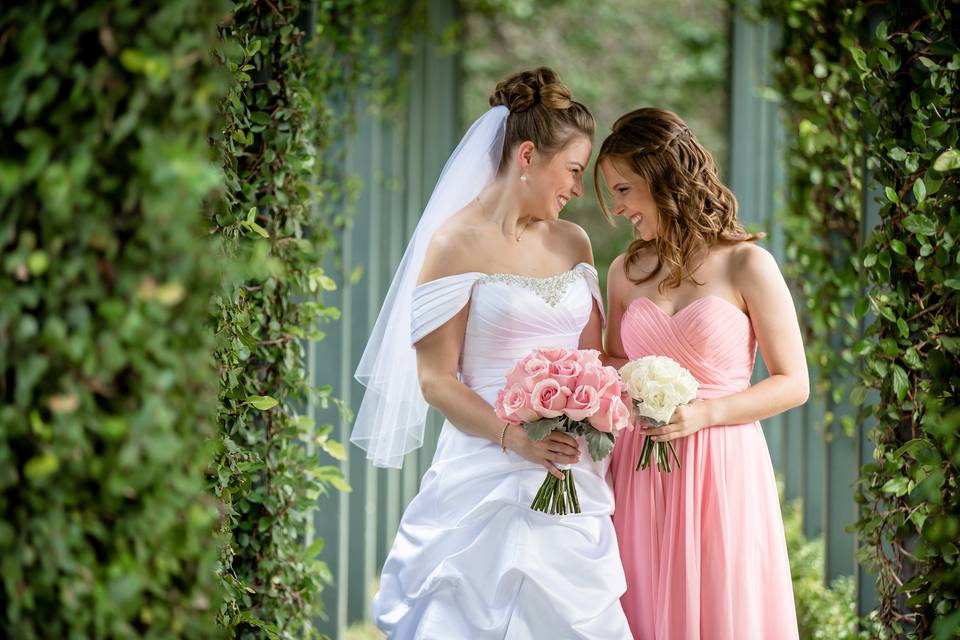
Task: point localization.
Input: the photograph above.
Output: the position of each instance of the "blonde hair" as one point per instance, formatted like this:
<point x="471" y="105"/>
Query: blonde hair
<point x="542" y="110"/>
<point x="696" y="211"/>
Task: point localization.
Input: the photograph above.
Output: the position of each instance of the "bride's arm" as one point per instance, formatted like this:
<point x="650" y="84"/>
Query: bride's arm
<point x="438" y="355"/>
<point x="438" y="359"/>
<point x="775" y="324"/>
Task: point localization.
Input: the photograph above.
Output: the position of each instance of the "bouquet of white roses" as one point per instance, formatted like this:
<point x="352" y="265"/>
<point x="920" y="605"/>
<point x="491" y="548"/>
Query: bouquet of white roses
<point x="657" y="385"/>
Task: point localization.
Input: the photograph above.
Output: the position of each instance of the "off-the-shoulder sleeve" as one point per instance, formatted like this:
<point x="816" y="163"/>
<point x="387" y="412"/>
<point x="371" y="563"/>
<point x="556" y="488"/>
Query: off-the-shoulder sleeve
<point x="593" y="281"/>
<point x="435" y="302"/>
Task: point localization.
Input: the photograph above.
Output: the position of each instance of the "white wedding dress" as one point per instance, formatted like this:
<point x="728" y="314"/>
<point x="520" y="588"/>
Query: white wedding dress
<point x="471" y="560"/>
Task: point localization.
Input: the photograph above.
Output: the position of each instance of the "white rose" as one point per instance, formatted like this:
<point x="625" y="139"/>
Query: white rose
<point x="658" y="386"/>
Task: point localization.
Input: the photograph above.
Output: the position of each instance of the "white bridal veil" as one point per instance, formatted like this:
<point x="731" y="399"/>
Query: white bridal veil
<point x="390" y="422"/>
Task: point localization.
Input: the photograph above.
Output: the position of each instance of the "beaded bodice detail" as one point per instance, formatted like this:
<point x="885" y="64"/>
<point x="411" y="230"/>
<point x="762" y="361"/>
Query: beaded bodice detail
<point x="552" y="289"/>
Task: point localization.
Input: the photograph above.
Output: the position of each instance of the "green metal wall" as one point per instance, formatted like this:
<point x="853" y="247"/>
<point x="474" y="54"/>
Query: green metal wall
<point x="820" y="466"/>
<point x="398" y="162"/>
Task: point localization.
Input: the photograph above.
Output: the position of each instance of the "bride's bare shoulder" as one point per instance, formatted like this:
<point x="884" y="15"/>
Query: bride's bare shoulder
<point x="571" y="239"/>
<point x="452" y="248"/>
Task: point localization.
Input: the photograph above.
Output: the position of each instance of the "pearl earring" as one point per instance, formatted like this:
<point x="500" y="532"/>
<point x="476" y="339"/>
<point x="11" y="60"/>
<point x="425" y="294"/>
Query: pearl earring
<point x="523" y="178"/>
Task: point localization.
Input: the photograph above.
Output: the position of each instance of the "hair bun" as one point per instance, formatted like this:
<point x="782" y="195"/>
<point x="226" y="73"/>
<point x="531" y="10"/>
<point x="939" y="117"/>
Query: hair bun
<point x="522" y="91"/>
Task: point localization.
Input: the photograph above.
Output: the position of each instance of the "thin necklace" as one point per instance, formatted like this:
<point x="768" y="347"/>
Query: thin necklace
<point x="484" y="210"/>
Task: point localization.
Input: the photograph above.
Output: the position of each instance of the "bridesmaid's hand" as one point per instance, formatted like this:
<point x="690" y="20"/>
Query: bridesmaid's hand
<point x="687" y="420"/>
<point x="558" y="447"/>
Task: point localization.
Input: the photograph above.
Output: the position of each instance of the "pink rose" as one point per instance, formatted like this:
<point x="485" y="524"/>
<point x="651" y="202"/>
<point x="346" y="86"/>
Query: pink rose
<point x="549" y="398"/>
<point x="612" y="416"/>
<point x="552" y="354"/>
<point x="514" y="406"/>
<point x="600" y="378"/>
<point x="529" y="371"/>
<point x="583" y="403"/>
<point x="566" y="371"/>
<point x="587" y="356"/>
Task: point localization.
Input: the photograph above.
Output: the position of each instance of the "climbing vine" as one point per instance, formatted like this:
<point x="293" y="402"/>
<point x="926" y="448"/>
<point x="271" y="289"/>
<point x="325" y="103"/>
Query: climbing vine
<point x="297" y="69"/>
<point x="870" y="94"/>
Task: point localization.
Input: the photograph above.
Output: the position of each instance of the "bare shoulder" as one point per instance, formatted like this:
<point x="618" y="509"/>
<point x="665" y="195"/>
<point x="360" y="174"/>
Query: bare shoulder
<point x="572" y="239"/>
<point x="617" y="273"/>
<point x="449" y="250"/>
<point x="752" y="265"/>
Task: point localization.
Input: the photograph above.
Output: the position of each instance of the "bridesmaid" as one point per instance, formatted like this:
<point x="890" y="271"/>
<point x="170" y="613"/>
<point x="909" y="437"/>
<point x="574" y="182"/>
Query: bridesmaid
<point x="703" y="546"/>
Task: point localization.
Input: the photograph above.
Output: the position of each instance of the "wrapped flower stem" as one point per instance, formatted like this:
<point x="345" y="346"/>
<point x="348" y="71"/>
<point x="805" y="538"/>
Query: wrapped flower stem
<point x="557" y="496"/>
<point x="662" y="452"/>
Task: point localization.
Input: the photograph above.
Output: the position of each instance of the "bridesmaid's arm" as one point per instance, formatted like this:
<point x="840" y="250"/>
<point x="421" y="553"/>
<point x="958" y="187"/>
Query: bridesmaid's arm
<point x="774" y="319"/>
<point x="592" y="335"/>
<point x="613" y="352"/>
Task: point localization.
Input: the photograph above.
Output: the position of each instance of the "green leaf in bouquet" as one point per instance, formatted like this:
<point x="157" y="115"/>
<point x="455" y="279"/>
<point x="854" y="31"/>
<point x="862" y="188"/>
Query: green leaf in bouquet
<point x="541" y="428"/>
<point x="599" y="444"/>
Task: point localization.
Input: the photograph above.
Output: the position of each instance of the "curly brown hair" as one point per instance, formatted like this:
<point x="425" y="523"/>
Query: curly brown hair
<point x="696" y="211"/>
<point x="542" y="110"/>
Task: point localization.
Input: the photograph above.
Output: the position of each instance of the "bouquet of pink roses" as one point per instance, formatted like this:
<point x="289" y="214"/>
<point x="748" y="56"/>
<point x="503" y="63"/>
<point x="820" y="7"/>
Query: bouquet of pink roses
<point x="571" y="391"/>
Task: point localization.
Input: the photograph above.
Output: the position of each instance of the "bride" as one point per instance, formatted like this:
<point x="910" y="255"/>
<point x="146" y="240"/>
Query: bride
<point x="491" y="273"/>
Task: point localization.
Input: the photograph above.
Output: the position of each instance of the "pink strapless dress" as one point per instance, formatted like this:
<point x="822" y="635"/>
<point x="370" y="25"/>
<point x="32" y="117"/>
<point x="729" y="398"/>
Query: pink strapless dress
<point x="703" y="547"/>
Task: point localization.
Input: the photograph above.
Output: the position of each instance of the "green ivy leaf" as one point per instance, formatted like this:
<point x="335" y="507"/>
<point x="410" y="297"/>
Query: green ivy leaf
<point x="897" y="486"/>
<point x="947" y="161"/>
<point x="41" y="466"/>
<point x="953" y="283"/>
<point x="898" y="247"/>
<point x="919" y="224"/>
<point x="919" y="190"/>
<point x="900" y="382"/>
<point x="903" y="327"/>
<point x="335" y="449"/>
<point x="891" y="195"/>
<point x="898" y="154"/>
<point x="263" y="403"/>
<point x="253" y="226"/>
<point x="859" y="57"/>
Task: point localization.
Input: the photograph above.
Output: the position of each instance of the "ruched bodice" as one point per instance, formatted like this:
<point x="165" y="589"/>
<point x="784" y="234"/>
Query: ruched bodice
<point x="710" y="337"/>
<point x="471" y="559"/>
<point x="509" y="316"/>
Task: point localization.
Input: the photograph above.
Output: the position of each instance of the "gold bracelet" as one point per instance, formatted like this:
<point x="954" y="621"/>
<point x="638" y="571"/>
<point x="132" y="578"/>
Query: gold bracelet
<point x="503" y="433"/>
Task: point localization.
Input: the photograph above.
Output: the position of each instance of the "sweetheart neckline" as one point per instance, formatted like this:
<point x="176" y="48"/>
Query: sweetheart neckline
<point x="680" y="311"/>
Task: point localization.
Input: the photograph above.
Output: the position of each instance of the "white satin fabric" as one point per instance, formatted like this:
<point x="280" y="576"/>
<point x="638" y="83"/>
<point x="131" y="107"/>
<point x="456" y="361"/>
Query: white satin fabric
<point x="471" y="560"/>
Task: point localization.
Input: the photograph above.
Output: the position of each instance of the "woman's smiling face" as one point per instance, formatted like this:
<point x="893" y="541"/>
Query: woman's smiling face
<point x="631" y="198"/>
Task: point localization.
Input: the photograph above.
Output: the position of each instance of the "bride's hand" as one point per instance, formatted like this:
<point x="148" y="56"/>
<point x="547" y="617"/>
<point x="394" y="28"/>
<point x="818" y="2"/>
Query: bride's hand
<point x="557" y="448"/>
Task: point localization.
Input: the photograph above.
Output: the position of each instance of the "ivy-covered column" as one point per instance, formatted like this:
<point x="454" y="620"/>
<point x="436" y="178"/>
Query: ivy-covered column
<point x="870" y="90"/>
<point x="909" y="71"/>
<point x="297" y="68"/>
<point x="107" y="386"/>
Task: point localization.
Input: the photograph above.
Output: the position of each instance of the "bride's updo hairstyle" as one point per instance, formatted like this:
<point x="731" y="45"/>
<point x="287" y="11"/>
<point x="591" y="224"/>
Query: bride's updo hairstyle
<point x="696" y="211"/>
<point x="542" y="110"/>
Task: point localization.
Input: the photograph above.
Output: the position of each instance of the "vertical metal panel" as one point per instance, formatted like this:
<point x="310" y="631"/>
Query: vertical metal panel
<point x="398" y="157"/>
<point x="361" y="314"/>
<point x="819" y="471"/>
<point x="841" y="472"/>
<point x="756" y="178"/>
<point x="814" y="485"/>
